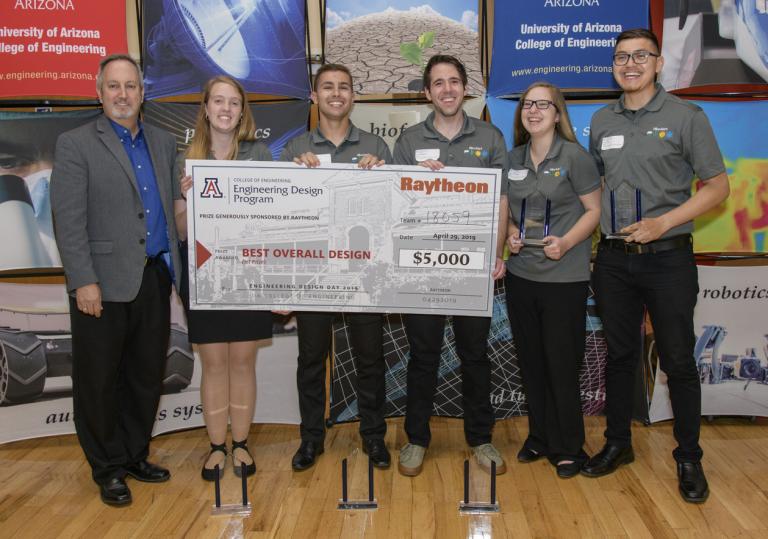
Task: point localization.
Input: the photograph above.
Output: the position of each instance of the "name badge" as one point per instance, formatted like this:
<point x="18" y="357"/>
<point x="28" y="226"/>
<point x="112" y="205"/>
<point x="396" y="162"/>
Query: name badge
<point x="427" y="153"/>
<point x="324" y="158"/>
<point x="612" y="143"/>
<point x="517" y="175"/>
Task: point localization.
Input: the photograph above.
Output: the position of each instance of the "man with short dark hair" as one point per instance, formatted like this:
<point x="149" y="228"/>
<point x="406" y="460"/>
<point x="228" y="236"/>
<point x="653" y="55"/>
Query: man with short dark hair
<point x="337" y="140"/>
<point x="448" y="137"/>
<point x="112" y="192"/>
<point x="649" y="145"/>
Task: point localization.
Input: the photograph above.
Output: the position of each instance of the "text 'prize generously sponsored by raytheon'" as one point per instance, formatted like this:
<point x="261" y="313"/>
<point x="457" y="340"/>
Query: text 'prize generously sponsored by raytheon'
<point x="267" y="235"/>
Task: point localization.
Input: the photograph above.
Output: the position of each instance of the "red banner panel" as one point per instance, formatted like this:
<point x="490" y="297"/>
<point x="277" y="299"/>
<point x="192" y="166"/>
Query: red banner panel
<point x="53" y="47"/>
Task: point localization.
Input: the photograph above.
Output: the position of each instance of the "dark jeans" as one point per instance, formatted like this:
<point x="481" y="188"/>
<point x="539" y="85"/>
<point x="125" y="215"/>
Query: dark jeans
<point x="366" y="335"/>
<point x="425" y="337"/>
<point x="548" y="323"/>
<point x="667" y="284"/>
<point x="117" y="372"/>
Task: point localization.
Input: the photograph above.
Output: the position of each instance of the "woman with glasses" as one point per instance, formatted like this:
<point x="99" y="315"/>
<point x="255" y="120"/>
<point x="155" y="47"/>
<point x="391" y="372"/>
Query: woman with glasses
<point x="554" y="199"/>
<point x="227" y="340"/>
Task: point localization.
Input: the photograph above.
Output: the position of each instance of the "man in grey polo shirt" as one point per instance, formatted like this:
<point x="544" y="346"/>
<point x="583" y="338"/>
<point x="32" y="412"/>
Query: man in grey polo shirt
<point x="337" y="140"/>
<point x="649" y="145"/>
<point x="448" y="137"/>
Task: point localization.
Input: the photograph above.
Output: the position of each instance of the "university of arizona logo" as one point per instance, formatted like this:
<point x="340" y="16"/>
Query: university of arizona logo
<point x="211" y="189"/>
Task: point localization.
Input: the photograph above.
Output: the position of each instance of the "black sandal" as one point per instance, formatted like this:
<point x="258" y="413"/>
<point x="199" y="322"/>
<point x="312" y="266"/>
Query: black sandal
<point x="210" y="474"/>
<point x="250" y="469"/>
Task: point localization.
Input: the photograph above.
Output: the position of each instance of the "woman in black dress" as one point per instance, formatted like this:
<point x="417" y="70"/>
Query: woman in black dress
<point x="227" y="340"/>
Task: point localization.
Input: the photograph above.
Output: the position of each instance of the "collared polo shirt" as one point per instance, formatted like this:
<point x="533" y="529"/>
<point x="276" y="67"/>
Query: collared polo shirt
<point x="566" y="173"/>
<point x="657" y="149"/>
<point x="141" y="161"/>
<point x="478" y="144"/>
<point x="355" y="145"/>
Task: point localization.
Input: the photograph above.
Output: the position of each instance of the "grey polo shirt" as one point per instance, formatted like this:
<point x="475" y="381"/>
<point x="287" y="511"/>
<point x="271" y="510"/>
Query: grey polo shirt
<point x="566" y="173"/>
<point x="355" y="145"/>
<point x="478" y="144"/>
<point x="657" y="149"/>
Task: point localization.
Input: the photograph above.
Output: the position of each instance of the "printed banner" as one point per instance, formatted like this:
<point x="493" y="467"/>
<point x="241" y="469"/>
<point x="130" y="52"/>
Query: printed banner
<point x="36" y="367"/>
<point x="507" y="394"/>
<point x="389" y="120"/>
<point x="276" y="123"/>
<point x="53" y="47"/>
<point x="715" y="43"/>
<point x="277" y="236"/>
<point x="568" y="43"/>
<point x="387" y="49"/>
<point x="731" y="344"/>
<point x="261" y="44"/>
<point x="27" y="144"/>
<point x="741" y="223"/>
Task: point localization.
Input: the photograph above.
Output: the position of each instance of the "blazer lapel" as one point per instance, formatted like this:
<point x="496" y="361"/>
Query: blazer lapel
<point x="113" y="144"/>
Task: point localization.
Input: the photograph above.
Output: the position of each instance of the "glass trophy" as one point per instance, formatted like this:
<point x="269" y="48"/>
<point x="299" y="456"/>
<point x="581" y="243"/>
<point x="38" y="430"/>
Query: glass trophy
<point x="535" y="212"/>
<point x="626" y="209"/>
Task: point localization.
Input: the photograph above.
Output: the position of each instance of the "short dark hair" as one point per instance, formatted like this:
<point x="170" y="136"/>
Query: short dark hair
<point x="114" y="58"/>
<point x="638" y="33"/>
<point x="325" y="68"/>
<point x="443" y="59"/>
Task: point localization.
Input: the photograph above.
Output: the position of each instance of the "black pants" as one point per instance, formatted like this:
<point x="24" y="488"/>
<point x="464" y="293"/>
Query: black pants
<point x="119" y="361"/>
<point x="667" y="284"/>
<point x="425" y="338"/>
<point x="548" y="323"/>
<point x="366" y="336"/>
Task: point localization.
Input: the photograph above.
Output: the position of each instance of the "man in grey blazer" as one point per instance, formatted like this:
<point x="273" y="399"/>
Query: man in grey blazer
<point x="112" y="191"/>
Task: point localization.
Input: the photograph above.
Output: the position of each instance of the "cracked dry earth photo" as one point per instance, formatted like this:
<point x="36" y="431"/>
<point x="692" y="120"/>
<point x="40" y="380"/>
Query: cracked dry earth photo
<point x="370" y="45"/>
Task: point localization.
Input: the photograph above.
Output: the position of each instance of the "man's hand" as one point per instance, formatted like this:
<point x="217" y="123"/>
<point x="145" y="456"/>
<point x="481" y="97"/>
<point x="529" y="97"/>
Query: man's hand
<point x="646" y="230"/>
<point x="431" y="164"/>
<point x="307" y="159"/>
<point x="88" y="299"/>
<point x="368" y="161"/>
<point x="555" y="247"/>
<point x="513" y="239"/>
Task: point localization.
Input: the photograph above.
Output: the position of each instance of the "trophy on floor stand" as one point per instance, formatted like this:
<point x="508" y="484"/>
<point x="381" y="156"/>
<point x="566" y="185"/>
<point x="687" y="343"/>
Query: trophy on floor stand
<point x="234" y="509"/>
<point x="345" y="503"/>
<point x="468" y="507"/>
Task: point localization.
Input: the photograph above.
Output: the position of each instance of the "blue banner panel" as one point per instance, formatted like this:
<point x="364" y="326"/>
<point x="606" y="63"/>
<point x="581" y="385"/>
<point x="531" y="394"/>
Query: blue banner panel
<point x="261" y="44"/>
<point x="566" y="42"/>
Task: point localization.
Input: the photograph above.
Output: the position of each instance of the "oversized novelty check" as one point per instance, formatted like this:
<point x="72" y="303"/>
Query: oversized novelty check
<point x="279" y="236"/>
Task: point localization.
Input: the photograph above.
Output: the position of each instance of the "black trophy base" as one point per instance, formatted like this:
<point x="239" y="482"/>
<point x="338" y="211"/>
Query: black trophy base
<point x="527" y="242"/>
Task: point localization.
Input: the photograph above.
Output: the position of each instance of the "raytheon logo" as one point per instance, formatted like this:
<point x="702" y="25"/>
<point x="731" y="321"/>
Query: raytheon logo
<point x="441" y="185"/>
<point x="726" y="292"/>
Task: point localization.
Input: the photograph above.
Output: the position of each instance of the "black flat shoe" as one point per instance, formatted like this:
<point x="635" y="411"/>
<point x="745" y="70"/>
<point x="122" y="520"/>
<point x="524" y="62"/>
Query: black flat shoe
<point x="210" y="474"/>
<point x="377" y="450"/>
<point x="569" y="469"/>
<point x="306" y="454"/>
<point x="528" y="455"/>
<point x="148" y="472"/>
<point x="607" y="460"/>
<point x="250" y="469"/>
<point x="115" y="492"/>
<point x="691" y="482"/>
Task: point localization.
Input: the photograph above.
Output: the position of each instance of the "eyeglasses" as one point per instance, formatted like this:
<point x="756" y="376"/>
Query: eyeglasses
<point x="639" y="57"/>
<point x="541" y="104"/>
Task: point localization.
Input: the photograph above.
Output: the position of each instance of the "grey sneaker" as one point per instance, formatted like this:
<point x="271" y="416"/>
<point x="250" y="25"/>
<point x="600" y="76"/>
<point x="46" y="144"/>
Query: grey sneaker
<point x="411" y="459"/>
<point x="485" y="454"/>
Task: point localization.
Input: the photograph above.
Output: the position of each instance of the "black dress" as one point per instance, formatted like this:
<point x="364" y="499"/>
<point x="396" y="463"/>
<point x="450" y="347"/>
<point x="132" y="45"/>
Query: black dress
<point x="226" y="326"/>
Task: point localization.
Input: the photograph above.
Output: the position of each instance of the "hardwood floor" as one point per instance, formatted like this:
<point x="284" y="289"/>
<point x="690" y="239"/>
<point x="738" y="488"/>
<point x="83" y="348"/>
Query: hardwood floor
<point x="46" y="490"/>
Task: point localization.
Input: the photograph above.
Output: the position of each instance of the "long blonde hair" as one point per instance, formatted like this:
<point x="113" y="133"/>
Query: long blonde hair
<point x="563" y="127"/>
<point x="200" y="146"/>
